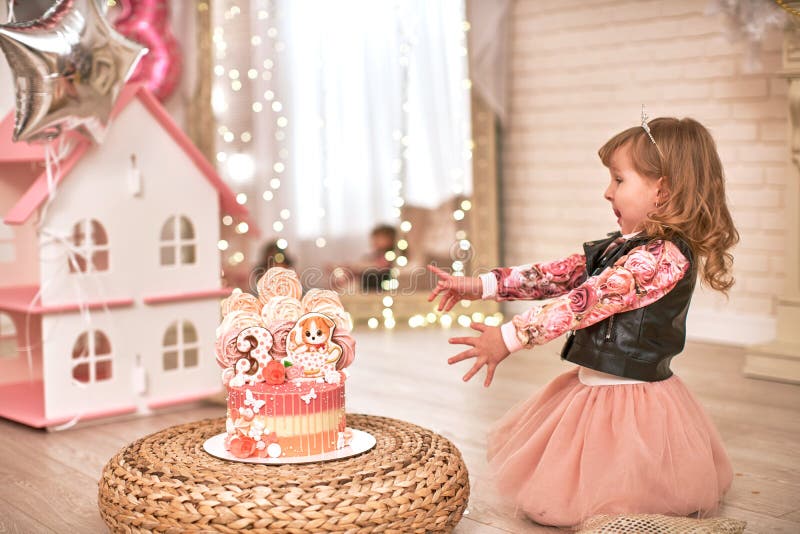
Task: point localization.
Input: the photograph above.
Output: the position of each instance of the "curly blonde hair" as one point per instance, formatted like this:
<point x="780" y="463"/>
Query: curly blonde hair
<point x="694" y="207"/>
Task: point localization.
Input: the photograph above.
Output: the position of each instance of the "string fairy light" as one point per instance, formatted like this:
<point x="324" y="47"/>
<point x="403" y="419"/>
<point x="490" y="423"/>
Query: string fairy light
<point x="236" y="164"/>
<point x="236" y="89"/>
<point x="461" y="250"/>
<point x="322" y="213"/>
<point x="397" y="257"/>
<point x="462" y="247"/>
<point x="270" y="101"/>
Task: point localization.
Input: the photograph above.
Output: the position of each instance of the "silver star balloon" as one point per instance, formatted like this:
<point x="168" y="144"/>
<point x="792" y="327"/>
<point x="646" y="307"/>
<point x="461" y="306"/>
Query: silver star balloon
<point x="21" y="10"/>
<point x="68" y="68"/>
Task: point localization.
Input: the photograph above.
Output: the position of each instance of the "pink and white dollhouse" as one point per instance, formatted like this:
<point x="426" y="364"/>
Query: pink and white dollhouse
<point x="109" y="270"/>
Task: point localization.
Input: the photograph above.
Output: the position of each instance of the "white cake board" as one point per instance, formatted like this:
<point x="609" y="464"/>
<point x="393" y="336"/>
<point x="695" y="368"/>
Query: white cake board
<point x="361" y="442"/>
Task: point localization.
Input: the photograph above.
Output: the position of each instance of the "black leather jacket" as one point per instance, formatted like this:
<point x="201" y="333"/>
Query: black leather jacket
<point x="640" y="343"/>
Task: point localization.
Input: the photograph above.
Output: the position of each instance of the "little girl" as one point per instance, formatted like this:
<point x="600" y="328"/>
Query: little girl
<point x="619" y="433"/>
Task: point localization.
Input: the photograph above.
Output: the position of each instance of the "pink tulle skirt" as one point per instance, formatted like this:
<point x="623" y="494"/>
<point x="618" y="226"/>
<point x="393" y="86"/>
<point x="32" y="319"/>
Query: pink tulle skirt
<point x="573" y="451"/>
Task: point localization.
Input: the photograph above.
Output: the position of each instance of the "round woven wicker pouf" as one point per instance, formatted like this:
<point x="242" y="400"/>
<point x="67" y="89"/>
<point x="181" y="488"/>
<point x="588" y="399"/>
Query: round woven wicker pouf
<point x="413" y="480"/>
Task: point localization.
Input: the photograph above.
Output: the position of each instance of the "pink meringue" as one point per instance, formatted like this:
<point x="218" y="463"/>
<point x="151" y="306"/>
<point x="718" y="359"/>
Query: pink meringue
<point x="239" y="301"/>
<point x="279" y="282"/>
<point x="280" y="332"/>
<point x="348" y="345"/>
<point x="281" y="308"/>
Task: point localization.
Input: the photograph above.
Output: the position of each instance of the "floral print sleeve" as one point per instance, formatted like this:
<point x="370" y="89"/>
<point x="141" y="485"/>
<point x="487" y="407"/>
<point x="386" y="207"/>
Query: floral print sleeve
<point x="638" y="279"/>
<point x="539" y="281"/>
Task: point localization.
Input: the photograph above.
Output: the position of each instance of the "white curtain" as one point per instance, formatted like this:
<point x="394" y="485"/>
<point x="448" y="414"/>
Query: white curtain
<point x="373" y="95"/>
<point x="488" y="57"/>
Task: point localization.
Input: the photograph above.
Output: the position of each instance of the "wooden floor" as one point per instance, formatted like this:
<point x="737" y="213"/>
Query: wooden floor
<point x="48" y="480"/>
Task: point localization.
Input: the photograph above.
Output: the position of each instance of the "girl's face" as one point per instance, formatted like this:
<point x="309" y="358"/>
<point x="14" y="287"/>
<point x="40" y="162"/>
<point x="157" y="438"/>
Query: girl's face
<point x="632" y="195"/>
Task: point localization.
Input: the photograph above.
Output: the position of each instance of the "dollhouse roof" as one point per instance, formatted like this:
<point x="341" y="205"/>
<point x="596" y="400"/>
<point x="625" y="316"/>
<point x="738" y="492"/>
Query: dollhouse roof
<point x="11" y="152"/>
<point x="21" y="152"/>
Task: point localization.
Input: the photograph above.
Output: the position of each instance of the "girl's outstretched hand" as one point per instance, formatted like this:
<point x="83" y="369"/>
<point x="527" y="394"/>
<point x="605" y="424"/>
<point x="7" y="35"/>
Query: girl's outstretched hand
<point x="454" y="288"/>
<point x="488" y="349"/>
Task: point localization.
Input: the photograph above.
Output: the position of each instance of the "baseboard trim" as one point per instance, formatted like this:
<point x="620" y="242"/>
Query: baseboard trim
<point x="730" y="328"/>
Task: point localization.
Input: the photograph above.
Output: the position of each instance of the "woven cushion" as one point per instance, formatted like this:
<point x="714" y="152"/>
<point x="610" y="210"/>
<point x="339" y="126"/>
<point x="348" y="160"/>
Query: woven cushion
<point x="413" y="480"/>
<point x="660" y="524"/>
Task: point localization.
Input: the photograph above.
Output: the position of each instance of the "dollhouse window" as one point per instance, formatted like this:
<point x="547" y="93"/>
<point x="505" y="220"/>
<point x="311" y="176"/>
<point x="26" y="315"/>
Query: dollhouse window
<point x="181" y="347"/>
<point x="7" y="249"/>
<point x="177" y="241"/>
<point x="91" y="357"/>
<point x="8" y="337"/>
<point x="91" y="247"/>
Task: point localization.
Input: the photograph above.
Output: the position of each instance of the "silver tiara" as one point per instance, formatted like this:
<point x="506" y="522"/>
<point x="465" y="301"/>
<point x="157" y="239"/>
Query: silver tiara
<point x="647" y="129"/>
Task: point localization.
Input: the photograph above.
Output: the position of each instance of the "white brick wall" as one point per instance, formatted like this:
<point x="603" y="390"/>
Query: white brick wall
<point x="579" y="73"/>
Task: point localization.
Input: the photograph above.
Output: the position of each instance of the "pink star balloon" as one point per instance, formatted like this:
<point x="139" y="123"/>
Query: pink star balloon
<point x="147" y="23"/>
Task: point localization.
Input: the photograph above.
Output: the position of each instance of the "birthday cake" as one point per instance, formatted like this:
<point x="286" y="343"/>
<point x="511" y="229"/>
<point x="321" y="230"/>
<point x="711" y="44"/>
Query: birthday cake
<point x="283" y="356"/>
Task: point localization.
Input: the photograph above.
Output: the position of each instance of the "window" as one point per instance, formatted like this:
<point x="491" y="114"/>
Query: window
<point x="180" y="346"/>
<point x="91" y="357"/>
<point x="91" y="247"/>
<point x="7" y="250"/>
<point x="177" y="241"/>
<point x="8" y="337"/>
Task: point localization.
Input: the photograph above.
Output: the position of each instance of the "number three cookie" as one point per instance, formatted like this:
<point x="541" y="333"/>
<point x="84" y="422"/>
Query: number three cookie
<point x="255" y="341"/>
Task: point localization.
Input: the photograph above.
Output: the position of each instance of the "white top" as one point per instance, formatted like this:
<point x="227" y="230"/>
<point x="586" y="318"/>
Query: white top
<point x="489" y="283"/>
<point x="590" y="377"/>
